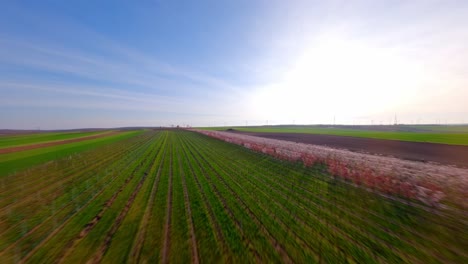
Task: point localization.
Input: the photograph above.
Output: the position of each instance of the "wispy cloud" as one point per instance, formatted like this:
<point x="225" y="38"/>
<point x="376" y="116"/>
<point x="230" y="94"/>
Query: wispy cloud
<point x="137" y="72"/>
<point x="65" y="63"/>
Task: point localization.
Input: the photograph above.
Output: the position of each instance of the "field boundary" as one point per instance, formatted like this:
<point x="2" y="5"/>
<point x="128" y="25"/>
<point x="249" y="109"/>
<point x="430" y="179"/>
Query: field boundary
<point x="8" y="150"/>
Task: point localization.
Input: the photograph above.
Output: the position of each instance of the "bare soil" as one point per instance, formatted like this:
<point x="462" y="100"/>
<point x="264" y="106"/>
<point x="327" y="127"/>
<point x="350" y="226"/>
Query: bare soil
<point x="415" y="151"/>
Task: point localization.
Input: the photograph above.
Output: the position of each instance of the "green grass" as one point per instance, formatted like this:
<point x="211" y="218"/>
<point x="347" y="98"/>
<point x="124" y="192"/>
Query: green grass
<point x="127" y="200"/>
<point x="444" y="128"/>
<point x="19" y="140"/>
<point x="20" y="160"/>
<point x="436" y="134"/>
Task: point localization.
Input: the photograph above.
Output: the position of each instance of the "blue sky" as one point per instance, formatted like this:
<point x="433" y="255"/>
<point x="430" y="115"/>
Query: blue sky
<point x="152" y="63"/>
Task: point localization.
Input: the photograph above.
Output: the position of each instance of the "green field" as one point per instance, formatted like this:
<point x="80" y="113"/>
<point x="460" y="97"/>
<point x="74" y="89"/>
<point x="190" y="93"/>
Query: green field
<point x="181" y="197"/>
<point x="20" y="160"/>
<point x="28" y="139"/>
<point x="453" y="135"/>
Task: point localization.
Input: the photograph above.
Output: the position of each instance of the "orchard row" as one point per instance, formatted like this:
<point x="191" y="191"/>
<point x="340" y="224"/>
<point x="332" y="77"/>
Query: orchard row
<point x="179" y="196"/>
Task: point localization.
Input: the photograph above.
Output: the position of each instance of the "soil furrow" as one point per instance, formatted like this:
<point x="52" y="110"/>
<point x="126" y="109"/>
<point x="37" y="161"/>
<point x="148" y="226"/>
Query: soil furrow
<point x="90" y="225"/>
<point x="297" y="236"/>
<point x="167" y="227"/>
<point x="193" y="239"/>
<point x="141" y="235"/>
<point x="228" y="210"/>
<point x="50" y="182"/>
<point x="56" y="230"/>
<point x="117" y="222"/>
<point x="217" y="228"/>
<point x="274" y="242"/>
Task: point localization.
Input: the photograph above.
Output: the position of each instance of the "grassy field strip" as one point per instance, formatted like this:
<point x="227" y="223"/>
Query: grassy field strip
<point x="121" y="217"/>
<point x="79" y="174"/>
<point x="218" y="220"/>
<point x="183" y="197"/>
<point x="270" y="214"/>
<point x="54" y="226"/>
<point x="229" y="163"/>
<point x="134" y="166"/>
<point x="167" y="226"/>
<point x="71" y="164"/>
<point x="239" y="224"/>
<point x="63" y="204"/>
<point x="273" y="242"/>
<point x="152" y="244"/>
<point x="410" y="210"/>
<point x="19" y="148"/>
<point x="243" y="246"/>
<point x="233" y="238"/>
<point x="453" y="129"/>
<point x="438" y="136"/>
<point x="240" y="243"/>
<point x="71" y="218"/>
<point x="209" y="245"/>
<point x="65" y="213"/>
<point x="281" y="167"/>
<point x="34" y="152"/>
<point x="188" y="210"/>
<point x="287" y="184"/>
<point x="280" y="222"/>
<point x="379" y="128"/>
<point x="270" y="234"/>
<point x="443" y="138"/>
<point x="54" y="177"/>
<point x="38" y="196"/>
<point x="180" y="250"/>
<point x="135" y="253"/>
<point x="129" y="217"/>
<point x="55" y="206"/>
<point x="255" y="184"/>
<point x="83" y="247"/>
<point x="18" y="161"/>
<point x="129" y="231"/>
<point x="21" y="140"/>
<point x="302" y="222"/>
<point x="384" y="220"/>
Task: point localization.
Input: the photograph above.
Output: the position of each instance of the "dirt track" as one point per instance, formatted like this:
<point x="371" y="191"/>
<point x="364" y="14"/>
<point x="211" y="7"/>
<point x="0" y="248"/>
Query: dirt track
<point x="53" y="143"/>
<point x="416" y="151"/>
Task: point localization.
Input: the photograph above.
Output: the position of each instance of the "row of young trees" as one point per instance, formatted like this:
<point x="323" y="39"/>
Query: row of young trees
<point x="427" y="183"/>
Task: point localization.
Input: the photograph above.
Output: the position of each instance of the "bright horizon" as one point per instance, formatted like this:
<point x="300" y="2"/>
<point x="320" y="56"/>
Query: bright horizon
<point x="235" y="63"/>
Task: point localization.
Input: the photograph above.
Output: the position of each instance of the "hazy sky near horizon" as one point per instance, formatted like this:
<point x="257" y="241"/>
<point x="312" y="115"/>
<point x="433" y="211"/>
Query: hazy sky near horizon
<point x="72" y="64"/>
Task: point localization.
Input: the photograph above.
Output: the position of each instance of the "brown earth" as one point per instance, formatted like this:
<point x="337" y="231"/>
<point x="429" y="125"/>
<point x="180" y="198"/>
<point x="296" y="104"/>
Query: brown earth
<point x="416" y="151"/>
<point x="53" y="143"/>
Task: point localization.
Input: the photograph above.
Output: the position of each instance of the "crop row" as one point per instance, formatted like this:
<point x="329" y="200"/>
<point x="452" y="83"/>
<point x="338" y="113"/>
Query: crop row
<point x="428" y="183"/>
<point x="383" y="223"/>
<point x="40" y="208"/>
<point x="179" y="196"/>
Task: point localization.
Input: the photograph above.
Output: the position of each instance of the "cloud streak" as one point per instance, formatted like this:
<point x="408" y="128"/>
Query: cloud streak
<point x="67" y="63"/>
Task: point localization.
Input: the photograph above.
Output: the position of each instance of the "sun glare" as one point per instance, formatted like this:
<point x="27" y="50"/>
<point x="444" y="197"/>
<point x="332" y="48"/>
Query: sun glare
<point x="339" y="77"/>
